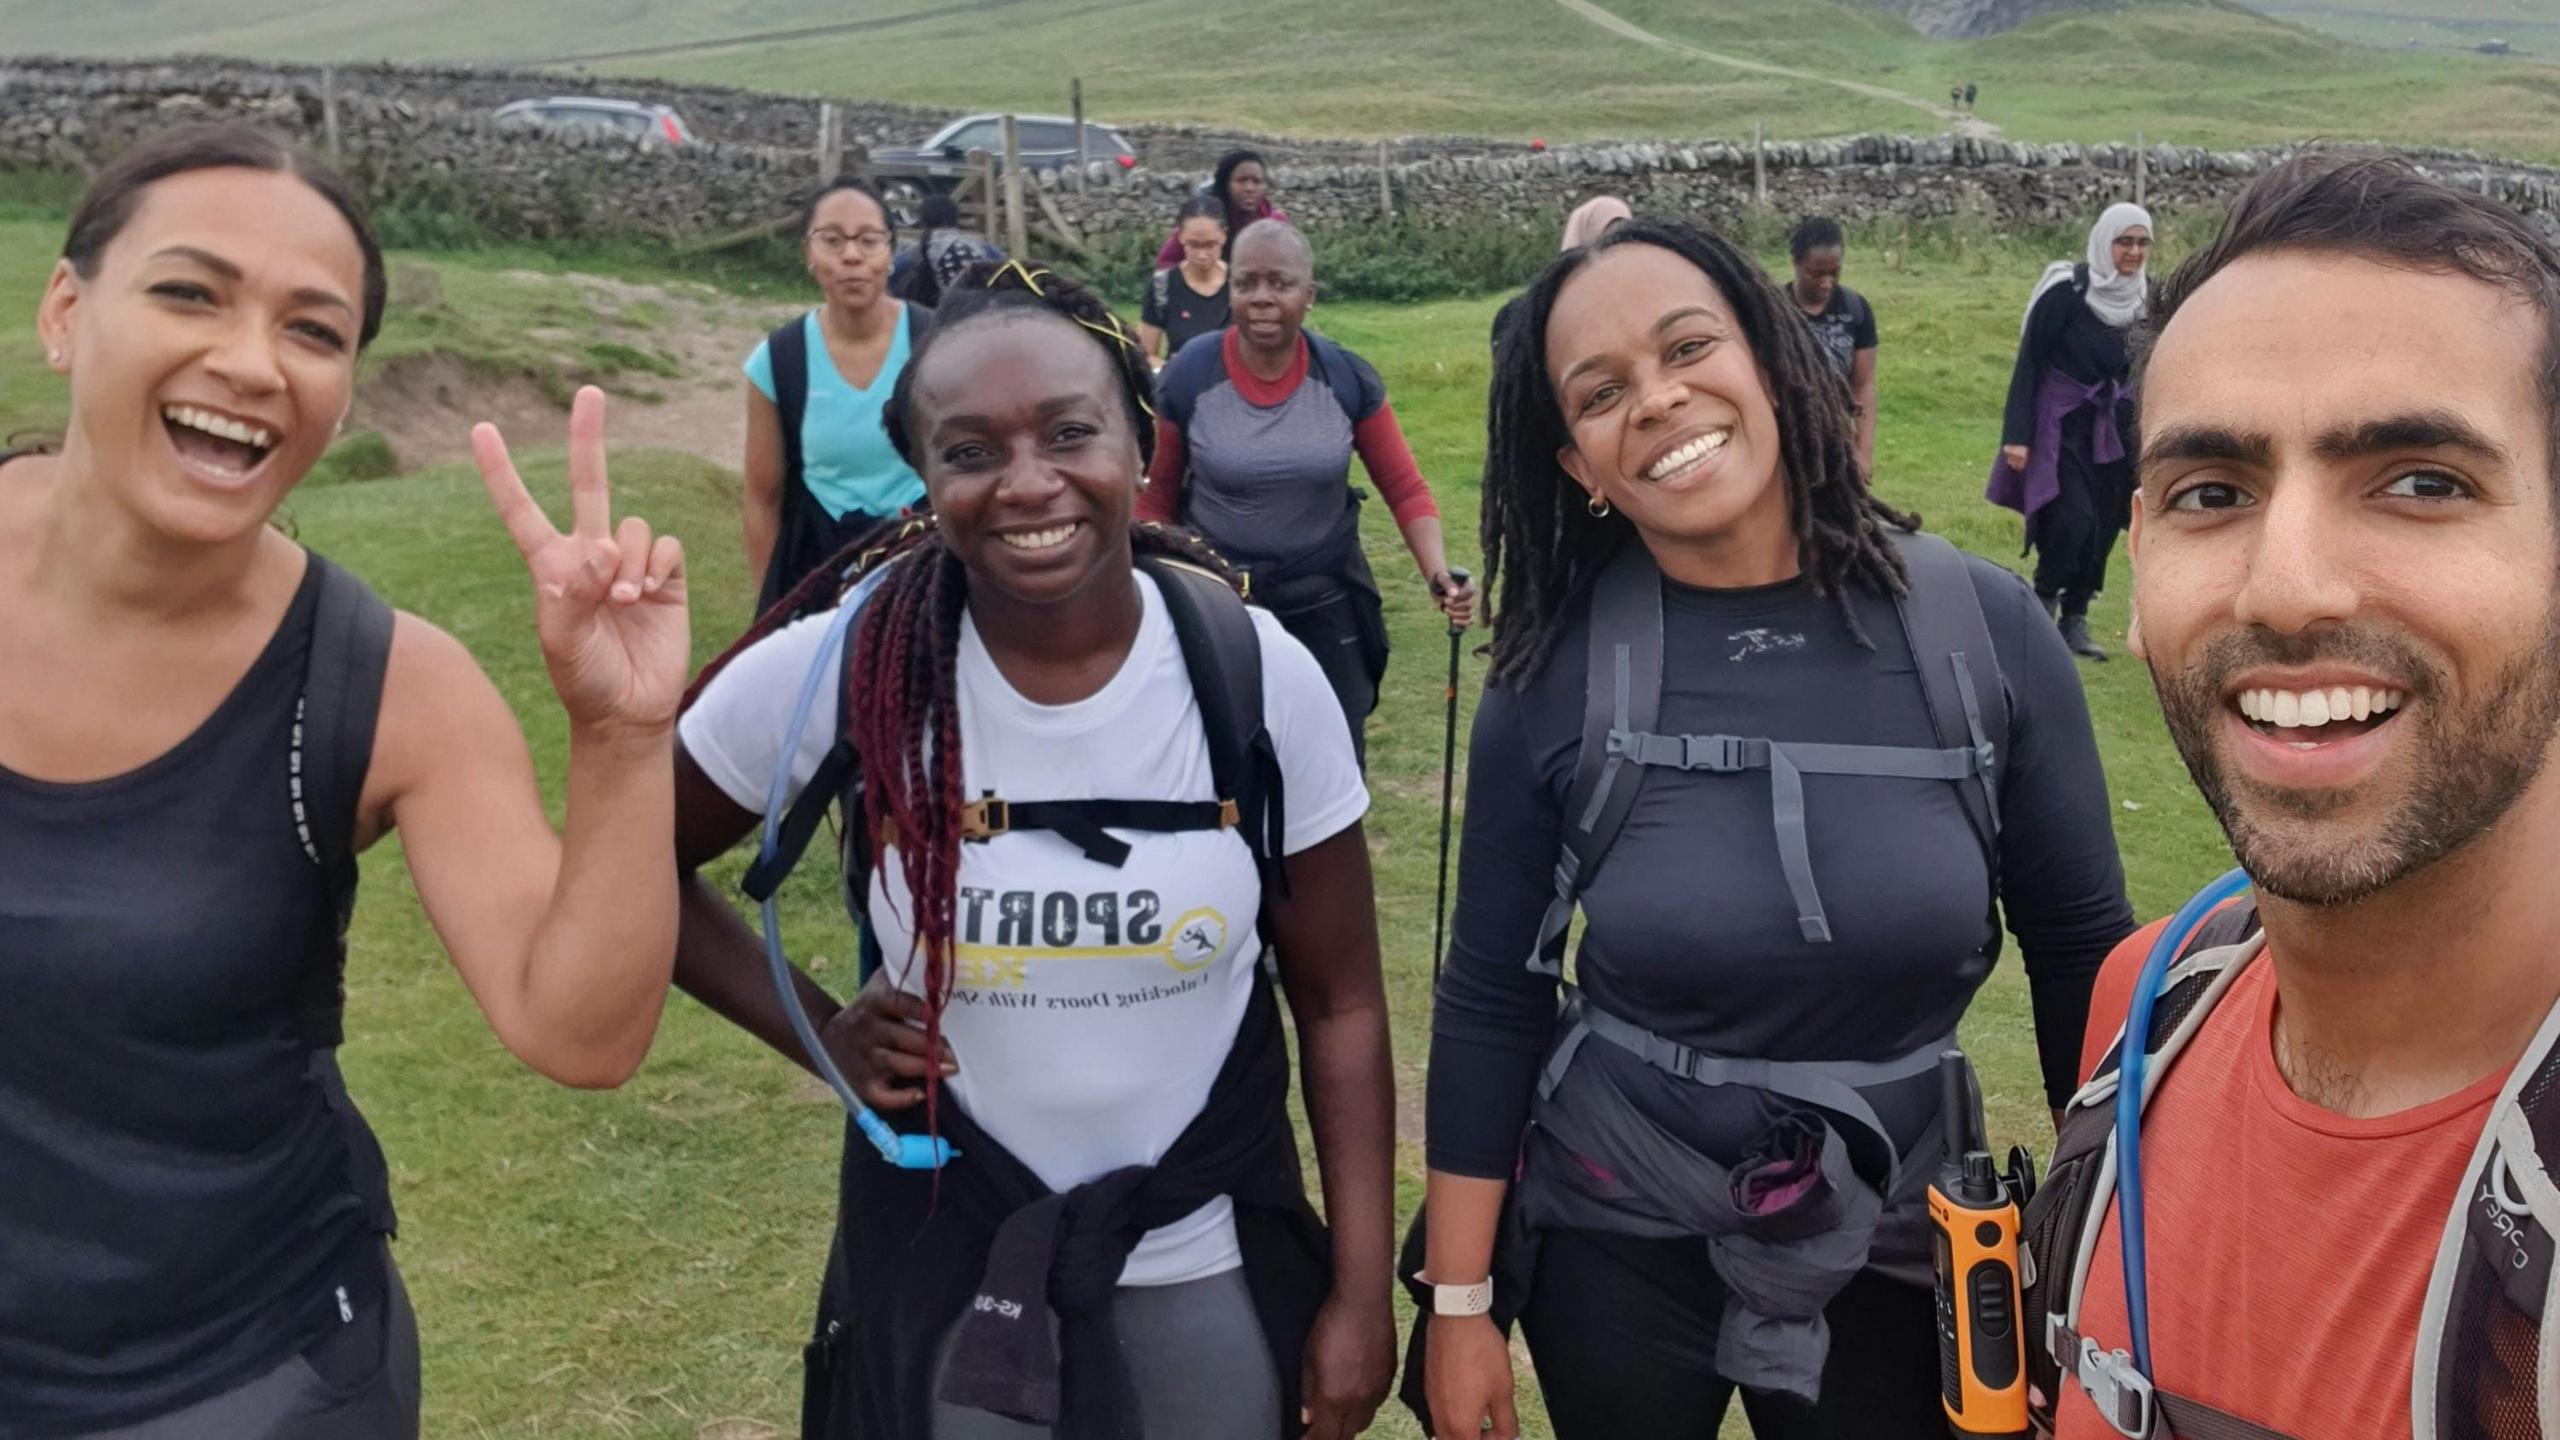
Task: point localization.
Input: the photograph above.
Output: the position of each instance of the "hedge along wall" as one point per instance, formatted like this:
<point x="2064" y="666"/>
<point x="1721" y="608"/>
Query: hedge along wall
<point x="422" y="136"/>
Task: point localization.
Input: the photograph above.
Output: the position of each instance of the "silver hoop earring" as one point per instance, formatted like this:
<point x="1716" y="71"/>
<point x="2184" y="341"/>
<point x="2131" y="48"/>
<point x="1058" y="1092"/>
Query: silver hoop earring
<point x="1598" y="507"/>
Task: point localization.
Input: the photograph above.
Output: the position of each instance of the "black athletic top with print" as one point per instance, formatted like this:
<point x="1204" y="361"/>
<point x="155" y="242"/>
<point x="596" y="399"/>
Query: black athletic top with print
<point x="1689" y="929"/>
<point x="1182" y="313"/>
<point x="186" y="1196"/>
<point x="1846" y="326"/>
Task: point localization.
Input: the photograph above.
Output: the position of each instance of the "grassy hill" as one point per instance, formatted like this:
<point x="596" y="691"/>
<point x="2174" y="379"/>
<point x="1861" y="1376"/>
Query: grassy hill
<point x="2177" y="69"/>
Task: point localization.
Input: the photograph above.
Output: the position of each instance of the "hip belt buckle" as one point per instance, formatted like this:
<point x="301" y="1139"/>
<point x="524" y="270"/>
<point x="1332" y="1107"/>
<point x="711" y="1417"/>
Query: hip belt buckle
<point x="2118" y="1390"/>
<point x="1716" y="754"/>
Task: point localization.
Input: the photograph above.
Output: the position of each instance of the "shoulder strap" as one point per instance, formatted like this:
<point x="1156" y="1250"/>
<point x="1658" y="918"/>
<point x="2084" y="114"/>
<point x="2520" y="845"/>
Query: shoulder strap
<point x="333" y="735"/>
<point x="1341" y="375"/>
<point x="1223" y="654"/>
<point x="1622" y="694"/>
<point x="1951" y="645"/>
<point x="2062" y="1222"/>
<point x="788" y="348"/>
<point x="2487" y="1353"/>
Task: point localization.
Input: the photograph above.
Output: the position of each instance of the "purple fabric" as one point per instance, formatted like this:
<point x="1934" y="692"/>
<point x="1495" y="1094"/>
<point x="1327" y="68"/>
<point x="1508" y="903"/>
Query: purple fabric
<point x="2035" y="487"/>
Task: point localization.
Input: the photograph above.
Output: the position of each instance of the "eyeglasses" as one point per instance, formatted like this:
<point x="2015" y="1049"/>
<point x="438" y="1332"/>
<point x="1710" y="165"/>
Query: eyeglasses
<point x="874" y="243"/>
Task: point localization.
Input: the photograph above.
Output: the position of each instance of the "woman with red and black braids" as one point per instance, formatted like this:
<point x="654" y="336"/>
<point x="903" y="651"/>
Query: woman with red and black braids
<point x="1090" y="1024"/>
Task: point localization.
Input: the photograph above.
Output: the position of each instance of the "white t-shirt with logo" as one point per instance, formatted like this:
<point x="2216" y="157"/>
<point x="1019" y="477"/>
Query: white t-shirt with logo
<point x="1093" y="1005"/>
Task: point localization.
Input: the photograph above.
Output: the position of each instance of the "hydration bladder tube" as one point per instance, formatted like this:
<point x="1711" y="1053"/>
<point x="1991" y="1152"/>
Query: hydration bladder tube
<point x="907" y="1152"/>
<point x="2136" y="1045"/>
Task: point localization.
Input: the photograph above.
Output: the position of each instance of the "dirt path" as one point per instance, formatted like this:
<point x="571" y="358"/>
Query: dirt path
<point x="425" y="405"/>
<point x="1606" y="20"/>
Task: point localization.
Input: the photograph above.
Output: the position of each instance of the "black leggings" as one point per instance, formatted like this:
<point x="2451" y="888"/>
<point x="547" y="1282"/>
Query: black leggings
<point x="1623" y="1332"/>
<point x="2076" y="533"/>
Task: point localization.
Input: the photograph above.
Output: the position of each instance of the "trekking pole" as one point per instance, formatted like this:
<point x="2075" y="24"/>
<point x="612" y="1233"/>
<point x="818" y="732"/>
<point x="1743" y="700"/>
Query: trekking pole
<point x="1448" y="771"/>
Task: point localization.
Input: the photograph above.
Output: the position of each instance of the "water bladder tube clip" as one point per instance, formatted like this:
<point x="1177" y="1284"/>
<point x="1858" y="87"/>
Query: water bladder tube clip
<point x="907" y="1152"/>
<point x="2129" y="1098"/>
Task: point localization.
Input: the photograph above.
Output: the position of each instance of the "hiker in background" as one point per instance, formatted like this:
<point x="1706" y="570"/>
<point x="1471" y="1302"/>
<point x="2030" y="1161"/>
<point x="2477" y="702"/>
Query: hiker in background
<point x="1770" y="967"/>
<point x="1189" y="300"/>
<point x="1242" y="187"/>
<point x="1256" y="437"/>
<point x="202" y="724"/>
<point x="819" y="469"/>
<point x="2067" y="438"/>
<point x="1841" y="319"/>
<point x="1588" y="221"/>
<point x="1972" y="93"/>
<point x="940" y="252"/>
<point x="1592" y="219"/>
<point x="1110" y="1069"/>
<point x="2346" y="584"/>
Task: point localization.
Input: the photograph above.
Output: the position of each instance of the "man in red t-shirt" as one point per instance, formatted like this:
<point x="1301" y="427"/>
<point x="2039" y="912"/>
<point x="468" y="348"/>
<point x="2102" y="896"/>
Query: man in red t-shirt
<point x="2346" y="551"/>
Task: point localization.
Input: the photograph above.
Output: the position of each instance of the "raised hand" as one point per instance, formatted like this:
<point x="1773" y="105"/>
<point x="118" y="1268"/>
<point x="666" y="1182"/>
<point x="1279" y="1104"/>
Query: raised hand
<point x="609" y="603"/>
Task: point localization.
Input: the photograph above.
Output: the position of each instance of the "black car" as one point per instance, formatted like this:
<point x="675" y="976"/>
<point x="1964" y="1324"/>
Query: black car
<point x="907" y="176"/>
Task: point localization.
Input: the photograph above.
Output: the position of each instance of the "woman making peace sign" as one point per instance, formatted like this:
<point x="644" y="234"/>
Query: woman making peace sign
<point x="203" y="724"/>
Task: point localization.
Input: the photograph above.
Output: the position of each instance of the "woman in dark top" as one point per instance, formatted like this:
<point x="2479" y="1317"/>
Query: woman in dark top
<point x="1634" y="436"/>
<point x="2066" y="440"/>
<point x="202" y="724"/>
<point x="1241" y="186"/>
<point x="1254" y="442"/>
<point x="1841" y="319"/>
<point x="1189" y="300"/>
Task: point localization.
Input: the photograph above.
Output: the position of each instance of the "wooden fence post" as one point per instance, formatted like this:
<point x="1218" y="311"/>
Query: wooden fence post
<point x="829" y="158"/>
<point x="2141" y="170"/>
<point x="1759" y="164"/>
<point x="1386" y="191"/>
<point x="1084" y="151"/>
<point x="1016" y="225"/>
<point x="329" y="110"/>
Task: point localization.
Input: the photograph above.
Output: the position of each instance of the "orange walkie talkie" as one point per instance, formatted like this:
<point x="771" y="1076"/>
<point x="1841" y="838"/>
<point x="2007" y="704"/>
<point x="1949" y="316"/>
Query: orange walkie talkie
<point x="1973" y="1212"/>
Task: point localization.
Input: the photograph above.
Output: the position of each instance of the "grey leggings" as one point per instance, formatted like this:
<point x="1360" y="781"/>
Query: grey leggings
<point x="1196" y="1355"/>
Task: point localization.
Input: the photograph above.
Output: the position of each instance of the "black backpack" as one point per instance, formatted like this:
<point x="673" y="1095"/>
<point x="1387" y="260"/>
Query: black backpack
<point x="1223" y="657"/>
<point x="2481" y="1340"/>
<point x="1950" y="645"/>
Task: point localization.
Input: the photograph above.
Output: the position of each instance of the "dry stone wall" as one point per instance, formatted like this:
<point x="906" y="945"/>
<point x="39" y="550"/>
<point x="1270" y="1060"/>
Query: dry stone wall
<point x="422" y="136"/>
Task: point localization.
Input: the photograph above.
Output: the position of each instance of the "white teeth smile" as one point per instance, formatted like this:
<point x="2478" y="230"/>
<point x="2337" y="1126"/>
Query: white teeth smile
<point x="2311" y="709"/>
<point x="1055" y="535"/>
<point x="1688" y="456"/>
<point x="219" y="427"/>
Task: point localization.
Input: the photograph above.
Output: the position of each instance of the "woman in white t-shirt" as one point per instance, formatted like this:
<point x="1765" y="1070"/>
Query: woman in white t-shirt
<point x="1124" y="1232"/>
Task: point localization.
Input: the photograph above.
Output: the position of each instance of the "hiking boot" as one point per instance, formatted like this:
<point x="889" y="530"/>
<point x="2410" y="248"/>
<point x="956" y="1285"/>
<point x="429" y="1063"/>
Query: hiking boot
<point x="2075" y="634"/>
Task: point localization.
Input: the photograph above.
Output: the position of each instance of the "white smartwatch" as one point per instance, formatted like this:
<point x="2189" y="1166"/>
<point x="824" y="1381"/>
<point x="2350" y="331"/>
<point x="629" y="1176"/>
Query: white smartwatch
<point x="1473" y="1299"/>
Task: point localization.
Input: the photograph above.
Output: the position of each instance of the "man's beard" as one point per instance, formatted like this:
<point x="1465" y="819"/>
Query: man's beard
<point x="2464" y="769"/>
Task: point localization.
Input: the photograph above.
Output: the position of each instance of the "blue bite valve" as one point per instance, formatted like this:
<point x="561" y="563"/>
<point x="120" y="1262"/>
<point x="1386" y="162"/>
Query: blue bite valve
<point x="907" y="1152"/>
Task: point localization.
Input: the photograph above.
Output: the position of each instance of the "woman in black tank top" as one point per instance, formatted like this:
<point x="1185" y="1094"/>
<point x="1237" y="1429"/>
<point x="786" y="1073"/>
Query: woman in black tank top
<point x="201" y="726"/>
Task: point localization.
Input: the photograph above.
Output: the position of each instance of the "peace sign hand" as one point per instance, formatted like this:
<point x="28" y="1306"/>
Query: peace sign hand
<point x="609" y="603"/>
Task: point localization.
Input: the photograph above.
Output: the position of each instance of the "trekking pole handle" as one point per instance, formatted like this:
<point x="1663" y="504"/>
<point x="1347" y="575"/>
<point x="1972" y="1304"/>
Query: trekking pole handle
<point x="1458" y="575"/>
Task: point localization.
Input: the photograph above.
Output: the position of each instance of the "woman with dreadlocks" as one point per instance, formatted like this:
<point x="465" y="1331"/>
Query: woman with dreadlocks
<point x="1735" y="1115"/>
<point x="1122" y="1245"/>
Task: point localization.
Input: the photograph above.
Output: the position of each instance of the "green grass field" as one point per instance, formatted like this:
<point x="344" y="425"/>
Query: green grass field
<point x="2194" y="71"/>
<point x="643" y="1263"/>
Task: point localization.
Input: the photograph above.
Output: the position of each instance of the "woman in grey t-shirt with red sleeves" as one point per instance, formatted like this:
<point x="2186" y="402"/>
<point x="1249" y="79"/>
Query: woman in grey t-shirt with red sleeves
<point x="1256" y="433"/>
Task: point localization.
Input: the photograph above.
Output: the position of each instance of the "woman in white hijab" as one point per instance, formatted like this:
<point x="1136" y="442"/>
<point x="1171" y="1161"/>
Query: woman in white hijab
<point x="2066" y="442"/>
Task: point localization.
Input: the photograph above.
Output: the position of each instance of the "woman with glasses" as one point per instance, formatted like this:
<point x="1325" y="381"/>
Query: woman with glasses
<point x="819" y="468"/>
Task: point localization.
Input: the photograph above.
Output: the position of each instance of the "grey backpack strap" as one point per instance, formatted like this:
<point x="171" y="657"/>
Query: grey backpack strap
<point x="1959" y="672"/>
<point x="1622" y="696"/>
<point x="2486" y="1352"/>
<point x="332" y="750"/>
